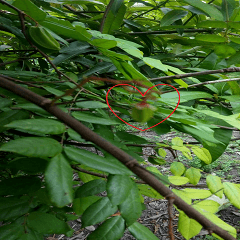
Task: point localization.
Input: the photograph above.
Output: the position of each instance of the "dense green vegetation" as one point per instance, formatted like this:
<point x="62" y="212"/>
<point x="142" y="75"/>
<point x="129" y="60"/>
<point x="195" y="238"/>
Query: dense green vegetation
<point x="65" y="58"/>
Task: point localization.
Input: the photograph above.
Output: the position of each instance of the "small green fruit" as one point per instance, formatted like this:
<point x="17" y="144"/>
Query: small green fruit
<point x="142" y="112"/>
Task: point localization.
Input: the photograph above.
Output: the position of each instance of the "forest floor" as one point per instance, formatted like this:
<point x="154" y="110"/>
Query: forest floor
<point x="155" y="216"/>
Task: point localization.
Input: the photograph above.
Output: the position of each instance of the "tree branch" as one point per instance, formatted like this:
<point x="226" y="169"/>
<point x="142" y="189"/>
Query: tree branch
<point x="123" y="157"/>
<point x="172" y="31"/>
<point x="185" y="75"/>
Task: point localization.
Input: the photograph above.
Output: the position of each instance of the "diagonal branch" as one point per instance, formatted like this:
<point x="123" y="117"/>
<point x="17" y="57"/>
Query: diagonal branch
<point x="123" y="157"/>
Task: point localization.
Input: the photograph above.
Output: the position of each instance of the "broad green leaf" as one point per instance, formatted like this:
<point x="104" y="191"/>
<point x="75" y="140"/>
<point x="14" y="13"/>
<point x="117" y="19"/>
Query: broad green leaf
<point x="178" y="180"/>
<point x="208" y="205"/>
<point x="193" y="175"/>
<point x="33" y="108"/>
<point x="186" y="96"/>
<point x="91" y="118"/>
<point x="177" y="141"/>
<point x="177" y="168"/>
<point x="127" y="137"/>
<point x="92" y="160"/>
<point x="149" y="191"/>
<point x="74" y="135"/>
<point x="158" y="175"/>
<point x="210" y="38"/>
<point x="140" y="232"/>
<point x="58" y="176"/>
<point x="224" y="51"/>
<point x="118" y="188"/>
<point x="104" y="43"/>
<point x="113" y="22"/>
<point x="30" y="9"/>
<point x="116" y="5"/>
<point x="91" y="104"/>
<point x="214" y="184"/>
<point x="98" y="212"/>
<point x="91" y="188"/>
<point x="185" y="197"/>
<point x="30" y="165"/>
<point x="12" y="207"/>
<point x="4" y="102"/>
<point x="162" y="152"/>
<point x="220" y="223"/>
<point x="197" y="193"/>
<point x="209" y="9"/>
<point x="112" y="228"/>
<point x="57" y="93"/>
<point x="155" y="63"/>
<point x="188" y="227"/>
<point x="19" y="185"/>
<point x="75" y="48"/>
<point x="12" y="231"/>
<point x="203" y="154"/>
<point x="131" y="208"/>
<point x="65" y="28"/>
<point x="172" y="16"/>
<point x="33" y="147"/>
<point x="81" y="204"/>
<point x="235" y="89"/>
<point x="46" y="223"/>
<point x="212" y="24"/>
<point x="7" y="117"/>
<point x="232" y="193"/>
<point x="43" y="126"/>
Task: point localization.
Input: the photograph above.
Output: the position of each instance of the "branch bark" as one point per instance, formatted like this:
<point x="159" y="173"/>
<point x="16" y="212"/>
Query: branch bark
<point x="123" y="157"/>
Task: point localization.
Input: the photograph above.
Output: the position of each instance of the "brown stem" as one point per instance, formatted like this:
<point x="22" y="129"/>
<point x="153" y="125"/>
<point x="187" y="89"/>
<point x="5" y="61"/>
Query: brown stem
<point x="170" y="31"/>
<point x="118" y="153"/>
<point x="179" y="76"/>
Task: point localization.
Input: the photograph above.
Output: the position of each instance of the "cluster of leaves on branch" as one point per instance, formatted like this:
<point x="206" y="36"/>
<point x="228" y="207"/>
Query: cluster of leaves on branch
<point x="50" y="47"/>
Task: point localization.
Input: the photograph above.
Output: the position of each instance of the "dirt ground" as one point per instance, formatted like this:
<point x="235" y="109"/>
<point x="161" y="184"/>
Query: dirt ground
<point x="155" y="216"/>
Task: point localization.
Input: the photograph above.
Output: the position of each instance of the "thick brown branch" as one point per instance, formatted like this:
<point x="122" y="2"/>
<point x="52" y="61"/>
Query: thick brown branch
<point x="123" y="157"/>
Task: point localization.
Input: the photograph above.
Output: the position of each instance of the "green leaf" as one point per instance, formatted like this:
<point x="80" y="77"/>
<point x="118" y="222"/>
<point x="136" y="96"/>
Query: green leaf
<point x="58" y="176"/>
<point x="193" y="175"/>
<point x="203" y="154"/>
<point x="81" y="204"/>
<point x="233" y="193"/>
<point x="32" y="108"/>
<point x="116" y="6"/>
<point x="223" y="50"/>
<point x="188" y="227"/>
<point x="11" y="231"/>
<point x="57" y="93"/>
<point x="91" y="188"/>
<point x="172" y="16"/>
<point x="185" y="197"/>
<point x="75" y="48"/>
<point x="33" y="147"/>
<point x="212" y="24"/>
<point x="178" y="180"/>
<point x="19" y="185"/>
<point x="28" y="165"/>
<point x="118" y="188"/>
<point x="131" y="208"/>
<point x="197" y="193"/>
<point x="87" y="117"/>
<point x="112" y="228"/>
<point x="155" y="63"/>
<point x="208" y="205"/>
<point x="4" y="102"/>
<point x="12" y="207"/>
<point x="91" y="104"/>
<point x="113" y="22"/>
<point x="92" y="160"/>
<point x="30" y="9"/>
<point x="104" y="43"/>
<point x="209" y="9"/>
<point x="98" y="212"/>
<point x="43" y="126"/>
<point x="210" y="38"/>
<point x="177" y="141"/>
<point x="146" y="190"/>
<point x="128" y="137"/>
<point x="7" y="117"/>
<point x="65" y="28"/>
<point x="46" y="223"/>
<point x="177" y="168"/>
<point x="214" y="184"/>
<point x="141" y="232"/>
